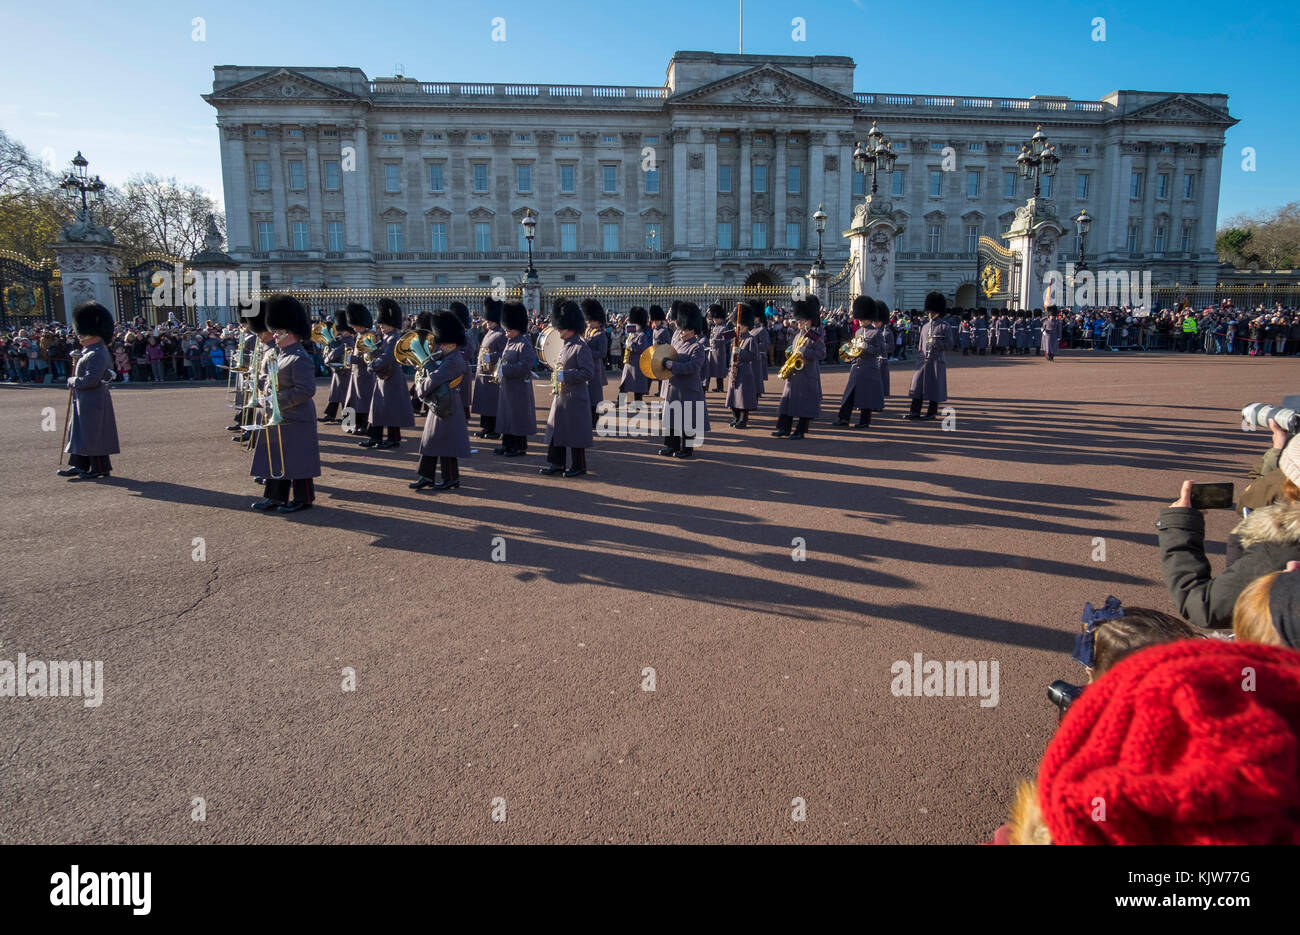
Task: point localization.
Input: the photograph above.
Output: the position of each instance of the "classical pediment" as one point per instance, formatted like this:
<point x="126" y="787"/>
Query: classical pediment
<point x="282" y="84"/>
<point x="1179" y="108"/>
<point x="767" y="87"/>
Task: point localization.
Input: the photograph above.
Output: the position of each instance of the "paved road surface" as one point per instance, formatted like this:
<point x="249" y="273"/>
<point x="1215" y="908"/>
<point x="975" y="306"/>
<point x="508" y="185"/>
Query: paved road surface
<point x="523" y="679"/>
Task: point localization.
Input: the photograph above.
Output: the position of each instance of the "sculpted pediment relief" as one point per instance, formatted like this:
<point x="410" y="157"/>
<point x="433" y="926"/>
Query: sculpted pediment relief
<point x="281" y="84"/>
<point x="765" y="86"/>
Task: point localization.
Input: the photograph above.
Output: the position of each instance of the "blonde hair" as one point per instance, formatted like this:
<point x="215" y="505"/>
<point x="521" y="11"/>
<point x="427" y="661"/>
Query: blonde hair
<point x="1290" y="492"/>
<point x="1251" y="619"/>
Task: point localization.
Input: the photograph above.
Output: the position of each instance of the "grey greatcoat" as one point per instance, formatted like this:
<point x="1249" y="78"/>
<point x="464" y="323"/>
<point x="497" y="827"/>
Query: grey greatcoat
<point x="684" y="387"/>
<point x="471" y="353"/>
<point x="516" y="409"/>
<point x="569" y="424"/>
<point x="887" y="334"/>
<point x="598" y="344"/>
<point x="740" y="392"/>
<point x="338" y="375"/>
<point x="634" y="381"/>
<point x="930" y="381"/>
<point x="1051" y="336"/>
<point x="485" y="391"/>
<point x="981" y="333"/>
<point x="449" y="437"/>
<point x="391" y="403"/>
<point x="295" y="376"/>
<point x="720" y="351"/>
<point x="802" y="396"/>
<point x="93" y="428"/>
<point x="361" y="387"/>
<point x="762" y="344"/>
<point x="864" y="386"/>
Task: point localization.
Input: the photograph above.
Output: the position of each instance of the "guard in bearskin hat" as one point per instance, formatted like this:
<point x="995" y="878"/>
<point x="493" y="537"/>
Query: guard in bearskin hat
<point x="930" y="381"/>
<point x="741" y="395"/>
<point x="286" y="454"/>
<point x="762" y="344"/>
<point x="881" y="321"/>
<point x="340" y="375"/>
<point x="243" y="380"/>
<point x="966" y="334"/>
<point x="461" y="311"/>
<point x="660" y="333"/>
<point x="597" y="339"/>
<point x="390" y="403"/>
<point x="423" y="327"/>
<point x="568" y="428"/>
<point x="1022" y="333"/>
<point x="92" y="428"/>
<point x="263" y="351"/>
<point x="1051" y="330"/>
<point x="864" y="391"/>
<point x="1036" y="331"/>
<point x="981" y="332"/>
<point x="721" y="337"/>
<point x="486" y="390"/>
<point x="361" y="382"/>
<point x="446" y="434"/>
<point x="638" y="339"/>
<point x="802" y="397"/>
<point x="516" y="417"/>
<point x="685" y="416"/>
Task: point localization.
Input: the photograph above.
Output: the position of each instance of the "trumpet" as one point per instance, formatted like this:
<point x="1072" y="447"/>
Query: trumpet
<point x="794" y="362"/>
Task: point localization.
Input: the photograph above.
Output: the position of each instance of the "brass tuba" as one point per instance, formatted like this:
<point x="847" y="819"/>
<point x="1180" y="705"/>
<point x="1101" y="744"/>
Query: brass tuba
<point x="794" y="362"/>
<point x="323" y="334"/>
<point x="367" y="346"/>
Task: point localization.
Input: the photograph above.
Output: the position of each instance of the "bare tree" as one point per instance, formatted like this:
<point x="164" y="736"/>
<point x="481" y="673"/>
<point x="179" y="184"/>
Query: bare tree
<point x="160" y="214"/>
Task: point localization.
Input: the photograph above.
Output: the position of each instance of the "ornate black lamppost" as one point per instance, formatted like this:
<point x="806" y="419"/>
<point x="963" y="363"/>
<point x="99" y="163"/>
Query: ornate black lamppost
<point x="77" y="182"/>
<point x="1037" y="158"/>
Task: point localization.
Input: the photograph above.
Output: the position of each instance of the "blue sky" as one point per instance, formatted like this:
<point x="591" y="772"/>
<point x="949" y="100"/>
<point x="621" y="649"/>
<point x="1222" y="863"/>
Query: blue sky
<point x="123" y="83"/>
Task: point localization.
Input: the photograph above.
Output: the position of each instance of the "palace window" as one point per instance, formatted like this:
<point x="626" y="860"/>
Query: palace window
<point x="293" y="133"/>
<point x="1008" y="184"/>
<point x="436" y="183"/>
<point x="1082" y="189"/>
<point x="390" y="137"/>
<point x="392" y="178"/>
<point x="859" y="184"/>
<point x="1162" y="185"/>
<point x="1189" y="185"/>
<point x="649" y="140"/>
<point x="300" y="236"/>
<point x="1012" y="149"/>
<point x="936" y="183"/>
<point x="334" y="236"/>
<point x="760" y="178"/>
<point x="261" y="131"/>
<point x="936" y="147"/>
<point x="1135" y="185"/>
<point x="332" y="179"/>
<point x="896" y="182"/>
<point x="609" y="177"/>
<point x="609" y="237"/>
<point x="652" y="181"/>
<point x="568" y="237"/>
<point x="480" y="177"/>
<point x="973" y="184"/>
<point x="1133" y="235"/>
<point x="568" y="175"/>
<point x="972" y="238"/>
<point x="793" y="233"/>
<point x="265" y="236"/>
<point x="724" y="178"/>
<point x="976" y="147"/>
<point x="523" y="137"/>
<point x="934" y="238"/>
<point x="724" y="236"/>
<point x="482" y="236"/>
<point x="609" y="139"/>
<point x="1189" y="237"/>
<point x="654" y="238"/>
<point x="524" y="177"/>
<point x="478" y="137"/>
<point x="297" y="175"/>
<point x="438" y="237"/>
<point x="565" y="138"/>
<point x="261" y="175"/>
<point x="1048" y="181"/>
<point x="1159" y="240"/>
<point x="395" y="238"/>
<point x="792" y="179"/>
<point x="759" y="235"/>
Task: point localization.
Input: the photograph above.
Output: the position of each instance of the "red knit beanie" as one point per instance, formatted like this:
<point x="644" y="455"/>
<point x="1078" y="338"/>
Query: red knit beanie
<point x="1193" y="742"/>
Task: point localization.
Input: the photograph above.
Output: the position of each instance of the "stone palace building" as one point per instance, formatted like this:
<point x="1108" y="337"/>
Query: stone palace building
<point x="332" y="179"/>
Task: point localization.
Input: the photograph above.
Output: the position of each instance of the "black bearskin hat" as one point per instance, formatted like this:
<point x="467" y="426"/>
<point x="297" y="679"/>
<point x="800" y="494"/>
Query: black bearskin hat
<point x="514" y="317"/>
<point x="341" y="321"/>
<point x="746" y="316"/>
<point x="672" y="310"/>
<point x="760" y="313"/>
<point x="864" y="308"/>
<point x="285" y="313"/>
<point x="92" y="318"/>
<point x="656" y="313"/>
<point x="690" y="317"/>
<point x="492" y="311"/>
<point x="592" y="310"/>
<point x="390" y="313"/>
<point x="447" y="329"/>
<point x="359" y="316"/>
<point x="567" y="317"/>
<point x="256" y="321"/>
<point x="935" y="302"/>
<point x="636" y="315"/>
<point x="461" y="311"/>
<point x="882" y="311"/>
<point x="1053" y="310"/>
<point x="717" y="312"/>
<point x="806" y="310"/>
<point x="424" y="322"/>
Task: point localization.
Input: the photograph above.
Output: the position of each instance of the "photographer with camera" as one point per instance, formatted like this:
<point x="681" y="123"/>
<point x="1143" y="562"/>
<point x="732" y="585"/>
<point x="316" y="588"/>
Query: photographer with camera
<point x="1267" y="539"/>
<point x="1266" y="477"/>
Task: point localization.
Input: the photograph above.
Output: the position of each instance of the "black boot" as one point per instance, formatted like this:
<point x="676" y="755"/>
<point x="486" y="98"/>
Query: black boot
<point x="932" y="410"/>
<point x="579" y="463"/>
<point x="864" y="422"/>
<point x="783" y="424"/>
<point x="914" y="412"/>
<point x="450" y="475"/>
<point x="801" y="429"/>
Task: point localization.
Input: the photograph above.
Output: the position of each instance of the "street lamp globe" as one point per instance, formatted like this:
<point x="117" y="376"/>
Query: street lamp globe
<point x="819" y="219"/>
<point x="1082" y="222"/>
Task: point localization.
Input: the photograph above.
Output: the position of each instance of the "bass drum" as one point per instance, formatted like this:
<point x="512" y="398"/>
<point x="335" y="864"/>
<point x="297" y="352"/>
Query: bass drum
<point x="549" y="345"/>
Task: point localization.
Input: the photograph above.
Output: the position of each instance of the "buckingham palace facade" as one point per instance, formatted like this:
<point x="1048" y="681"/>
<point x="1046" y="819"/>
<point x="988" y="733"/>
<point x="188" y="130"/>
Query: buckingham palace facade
<point x="332" y="179"/>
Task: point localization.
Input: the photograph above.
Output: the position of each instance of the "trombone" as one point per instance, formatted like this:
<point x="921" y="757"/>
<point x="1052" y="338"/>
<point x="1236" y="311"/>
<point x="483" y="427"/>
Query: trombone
<point x="274" y="420"/>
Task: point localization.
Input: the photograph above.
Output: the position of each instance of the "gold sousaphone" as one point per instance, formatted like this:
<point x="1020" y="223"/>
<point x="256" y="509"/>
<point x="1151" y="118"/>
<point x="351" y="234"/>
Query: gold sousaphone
<point x="652" y="361"/>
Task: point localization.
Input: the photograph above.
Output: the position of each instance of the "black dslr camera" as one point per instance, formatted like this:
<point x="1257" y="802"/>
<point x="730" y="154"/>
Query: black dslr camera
<point x="1062" y="694"/>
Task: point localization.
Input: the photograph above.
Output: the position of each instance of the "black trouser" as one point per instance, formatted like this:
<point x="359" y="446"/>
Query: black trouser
<point x="377" y="432"/>
<point x="740" y="416"/>
<point x="718" y="385"/>
<point x="784" y="423"/>
<point x="277" y="489"/>
<point x="101" y="463"/>
<point x="450" y="468"/>
<point x="331" y="410"/>
<point x="595" y="418"/>
<point x="846" y="410"/>
<point x="930" y="412"/>
<point x="362" y="424"/>
<point x="578" y="457"/>
<point x="488" y="424"/>
<point x="514" y="442"/>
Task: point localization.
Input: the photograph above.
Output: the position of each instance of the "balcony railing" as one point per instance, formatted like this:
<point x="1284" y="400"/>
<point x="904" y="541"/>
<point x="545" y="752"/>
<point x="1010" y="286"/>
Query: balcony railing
<point x="567" y="92"/>
<point x="926" y="102"/>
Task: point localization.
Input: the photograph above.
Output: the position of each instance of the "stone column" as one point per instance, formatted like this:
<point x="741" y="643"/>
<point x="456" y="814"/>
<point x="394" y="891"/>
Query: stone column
<point x="844" y="197"/>
<point x="315" y="220"/>
<point x="745" y="195"/>
<point x="681" y="186"/>
<point x="279" y="198"/>
<point x="817" y="175"/>
<point x="88" y="259"/>
<point x="819" y="284"/>
<point x="710" y="233"/>
<point x="1034" y="236"/>
<point x="873" y="247"/>
<point x="778" y="191"/>
<point x="356" y="189"/>
<point x="234" y="174"/>
<point x="416" y="183"/>
<point x="1211" y="170"/>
